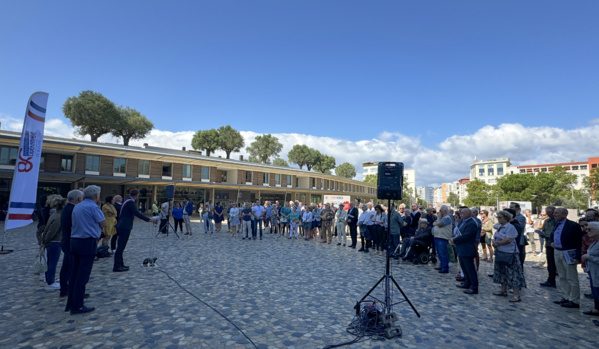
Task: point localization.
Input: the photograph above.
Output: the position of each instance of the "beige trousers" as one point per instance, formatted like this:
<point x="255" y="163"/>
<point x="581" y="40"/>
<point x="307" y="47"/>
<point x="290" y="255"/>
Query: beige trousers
<point x="568" y="278"/>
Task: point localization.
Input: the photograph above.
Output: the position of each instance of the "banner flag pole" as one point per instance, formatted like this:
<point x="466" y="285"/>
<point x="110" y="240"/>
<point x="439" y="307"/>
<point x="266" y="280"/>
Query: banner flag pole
<point x="23" y="191"/>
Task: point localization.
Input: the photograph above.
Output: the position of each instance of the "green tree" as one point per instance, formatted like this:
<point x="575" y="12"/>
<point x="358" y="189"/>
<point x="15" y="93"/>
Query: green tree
<point x="208" y="140"/>
<point x="131" y="125"/>
<point x="230" y="140"/>
<point x="478" y="194"/>
<point x="453" y="199"/>
<point x="302" y="155"/>
<point x="324" y="163"/>
<point x="346" y="170"/>
<point x="371" y="178"/>
<point x="280" y="162"/>
<point x="91" y="113"/>
<point x="264" y="147"/>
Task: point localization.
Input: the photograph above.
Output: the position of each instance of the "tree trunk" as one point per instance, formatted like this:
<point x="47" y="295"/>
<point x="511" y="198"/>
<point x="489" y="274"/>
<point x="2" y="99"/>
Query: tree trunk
<point x="228" y="154"/>
<point x="126" y="140"/>
<point x="207" y="152"/>
<point x="94" y="137"/>
<point x="309" y="167"/>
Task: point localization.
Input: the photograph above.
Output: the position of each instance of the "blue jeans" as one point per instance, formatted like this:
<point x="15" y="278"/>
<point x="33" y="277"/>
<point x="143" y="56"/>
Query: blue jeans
<point x="53" y="251"/>
<point x="256" y="223"/>
<point x="441" y="246"/>
<point x="394" y="242"/>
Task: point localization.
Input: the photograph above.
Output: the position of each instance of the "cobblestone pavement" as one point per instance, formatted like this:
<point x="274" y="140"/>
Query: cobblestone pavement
<point x="282" y="293"/>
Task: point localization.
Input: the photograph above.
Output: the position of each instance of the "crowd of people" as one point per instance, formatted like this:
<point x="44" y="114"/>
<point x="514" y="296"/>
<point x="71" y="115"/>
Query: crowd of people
<point x="463" y="237"/>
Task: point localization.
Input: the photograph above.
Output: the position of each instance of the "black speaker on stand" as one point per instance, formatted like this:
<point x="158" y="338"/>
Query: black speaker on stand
<point x="390" y="183"/>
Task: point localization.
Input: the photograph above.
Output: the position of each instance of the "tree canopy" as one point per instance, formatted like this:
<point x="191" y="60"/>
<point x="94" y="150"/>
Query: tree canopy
<point x="264" y="147"/>
<point x="231" y="140"/>
<point x="478" y="194"/>
<point x="346" y="170"/>
<point x="371" y="178"/>
<point x="91" y="113"/>
<point x="453" y="199"/>
<point x="300" y="155"/>
<point x="131" y="125"/>
<point x="208" y="140"/>
<point x="324" y="163"/>
<point x="591" y="183"/>
<point x="280" y="162"/>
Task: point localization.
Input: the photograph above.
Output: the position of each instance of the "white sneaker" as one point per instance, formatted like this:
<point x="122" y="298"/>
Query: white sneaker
<point x="450" y="264"/>
<point x="539" y="254"/>
<point x="43" y="277"/>
<point x="113" y="251"/>
<point x="55" y="286"/>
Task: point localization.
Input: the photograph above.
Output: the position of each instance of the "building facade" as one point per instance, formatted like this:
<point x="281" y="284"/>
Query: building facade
<point x="489" y="171"/>
<point x="71" y="163"/>
<point x="426" y="193"/>
<point x="580" y="169"/>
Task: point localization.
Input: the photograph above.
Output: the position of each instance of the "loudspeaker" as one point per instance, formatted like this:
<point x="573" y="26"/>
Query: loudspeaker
<point x="170" y="191"/>
<point x="390" y="180"/>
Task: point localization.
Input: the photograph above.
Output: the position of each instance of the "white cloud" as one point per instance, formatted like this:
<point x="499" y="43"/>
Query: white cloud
<point x="447" y="162"/>
<point x="594" y="121"/>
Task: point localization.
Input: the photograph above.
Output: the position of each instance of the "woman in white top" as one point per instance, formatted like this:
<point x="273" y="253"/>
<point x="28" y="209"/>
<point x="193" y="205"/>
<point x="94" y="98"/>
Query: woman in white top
<point x="341" y="216"/>
<point x="504" y="242"/>
<point x="234" y="218"/>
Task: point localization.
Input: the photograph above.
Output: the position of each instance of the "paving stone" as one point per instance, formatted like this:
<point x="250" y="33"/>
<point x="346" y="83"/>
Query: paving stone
<point x="282" y="293"/>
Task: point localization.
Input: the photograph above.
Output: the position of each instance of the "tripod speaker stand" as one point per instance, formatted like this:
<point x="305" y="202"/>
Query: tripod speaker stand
<point x="390" y="180"/>
<point x="167" y="226"/>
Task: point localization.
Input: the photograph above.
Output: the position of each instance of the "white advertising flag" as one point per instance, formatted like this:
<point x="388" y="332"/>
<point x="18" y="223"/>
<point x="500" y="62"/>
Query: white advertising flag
<point x="23" y="191"/>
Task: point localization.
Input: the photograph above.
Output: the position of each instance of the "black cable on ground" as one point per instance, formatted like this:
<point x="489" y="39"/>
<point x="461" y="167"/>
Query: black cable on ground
<point x="208" y="305"/>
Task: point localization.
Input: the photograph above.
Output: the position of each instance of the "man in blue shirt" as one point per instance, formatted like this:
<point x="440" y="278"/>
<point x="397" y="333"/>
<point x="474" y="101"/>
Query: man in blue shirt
<point x="87" y="224"/>
<point x="258" y="212"/>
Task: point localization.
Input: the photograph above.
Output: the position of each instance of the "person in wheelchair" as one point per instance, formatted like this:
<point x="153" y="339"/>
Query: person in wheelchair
<point x="421" y="241"/>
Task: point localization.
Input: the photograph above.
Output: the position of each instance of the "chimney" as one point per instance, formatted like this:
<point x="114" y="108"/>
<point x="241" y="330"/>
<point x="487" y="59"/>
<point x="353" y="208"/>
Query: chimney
<point x="183" y="149"/>
<point x="145" y="145"/>
<point x="240" y="157"/>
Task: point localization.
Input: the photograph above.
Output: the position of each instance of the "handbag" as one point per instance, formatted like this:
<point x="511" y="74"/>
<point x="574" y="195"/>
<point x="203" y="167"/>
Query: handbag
<point x="505" y="258"/>
<point x="40" y="265"/>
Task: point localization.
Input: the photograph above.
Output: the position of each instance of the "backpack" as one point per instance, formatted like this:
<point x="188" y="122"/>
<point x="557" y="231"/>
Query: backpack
<point x="102" y="252"/>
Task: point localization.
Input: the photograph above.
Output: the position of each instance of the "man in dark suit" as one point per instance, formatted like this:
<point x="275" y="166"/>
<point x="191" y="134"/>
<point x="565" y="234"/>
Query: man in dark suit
<point x="128" y="213"/>
<point x="66" y="221"/>
<point x="352" y="221"/>
<point x="566" y="241"/>
<point x="466" y="249"/>
<point x="415" y="215"/>
<point x="118" y="203"/>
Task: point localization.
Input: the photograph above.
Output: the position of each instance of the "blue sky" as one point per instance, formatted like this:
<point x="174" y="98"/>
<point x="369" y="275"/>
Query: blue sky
<point x="349" y="70"/>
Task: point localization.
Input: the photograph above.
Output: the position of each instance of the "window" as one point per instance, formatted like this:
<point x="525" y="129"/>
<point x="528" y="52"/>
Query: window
<point x="277" y="179"/>
<point x="8" y="155"/>
<point x="144" y="167"/>
<point x="574" y="168"/>
<point x="66" y="163"/>
<point x="42" y="162"/>
<point x="186" y="171"/>
<point x="119" y="165"/>
<point x="167" y="169"/>
<point x="288" y="180"/>
<point x="92" y="163"/>
<point x="543" y="169"/>
<point x="522" y="171"/>
<point x="481" y="170"/>
<point x="248" y="176"/>
<point x="490" y="170"/>
<point x="500" y="169"/>
<point x="224" y="177"/>
<point x="584" y="167"/>
<point x="313" y="182"/>
<point x="205" y="173"/>
<point x="265" y="178"/>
